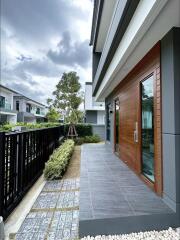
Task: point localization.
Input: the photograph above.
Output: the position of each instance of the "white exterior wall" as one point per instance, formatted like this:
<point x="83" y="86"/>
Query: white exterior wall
<point x="90" y="103"/>
<point x="100" y="117"/>
<point x="12" y="119"/>
<point x="88" y="96"/>
<point x="8" y="96"/>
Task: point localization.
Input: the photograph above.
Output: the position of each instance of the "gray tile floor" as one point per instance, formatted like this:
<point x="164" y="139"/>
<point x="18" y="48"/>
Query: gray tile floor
<point x="108" y="188"/>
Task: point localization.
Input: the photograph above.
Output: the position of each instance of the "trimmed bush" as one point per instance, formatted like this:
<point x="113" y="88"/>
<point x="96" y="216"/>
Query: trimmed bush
<point x="81" y="129"/>
<point x="58" y="161"/>
<point x="8" y="127"/>
<point x="87" y="139"/>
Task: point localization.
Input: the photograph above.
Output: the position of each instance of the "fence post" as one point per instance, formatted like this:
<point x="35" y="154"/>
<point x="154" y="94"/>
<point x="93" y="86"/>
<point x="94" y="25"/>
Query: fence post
<point x="2" y="169"/>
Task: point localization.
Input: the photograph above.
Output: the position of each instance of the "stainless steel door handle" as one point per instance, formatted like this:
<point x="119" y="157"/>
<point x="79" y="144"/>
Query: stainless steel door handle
<point x="136" y="133"/>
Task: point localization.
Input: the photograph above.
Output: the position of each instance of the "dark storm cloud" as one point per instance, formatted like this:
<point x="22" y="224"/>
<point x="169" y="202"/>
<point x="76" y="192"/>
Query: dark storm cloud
<point x="69" y="53"/>
<point x="25" y="90"/>
<point x="39" y="18"/>
<point x="40" y="67"/>
<point x="30" y="29"/>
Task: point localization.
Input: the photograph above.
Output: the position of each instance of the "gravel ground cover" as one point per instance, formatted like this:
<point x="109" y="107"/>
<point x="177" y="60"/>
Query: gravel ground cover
<point x="169" y="234"/>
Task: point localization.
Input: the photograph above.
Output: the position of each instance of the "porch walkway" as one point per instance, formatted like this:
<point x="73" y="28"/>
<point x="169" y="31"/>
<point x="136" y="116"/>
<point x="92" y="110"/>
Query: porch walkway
<point x="110" y="190"/>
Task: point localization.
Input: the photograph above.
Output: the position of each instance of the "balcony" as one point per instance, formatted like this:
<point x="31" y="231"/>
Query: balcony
<point x="6" y="106"/>
<point x="38" y="112"/>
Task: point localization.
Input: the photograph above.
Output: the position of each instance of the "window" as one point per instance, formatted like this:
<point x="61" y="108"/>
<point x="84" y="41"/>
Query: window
<point x="38" y="111"/>
<point x="147" y="116"/>
<point x="2" y="101"/>
<point x="17" y="105"/>
<point x="28" y="107"/>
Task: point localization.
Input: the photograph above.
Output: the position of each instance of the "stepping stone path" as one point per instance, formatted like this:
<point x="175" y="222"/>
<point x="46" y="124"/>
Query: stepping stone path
<point x="55" y="213"/>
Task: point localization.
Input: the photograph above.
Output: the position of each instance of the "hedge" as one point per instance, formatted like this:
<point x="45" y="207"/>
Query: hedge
<point x="8" y="127"/>
<point x="58" y="161"/>
<point x="87" y="139"/>
<point x="81" y="129"/>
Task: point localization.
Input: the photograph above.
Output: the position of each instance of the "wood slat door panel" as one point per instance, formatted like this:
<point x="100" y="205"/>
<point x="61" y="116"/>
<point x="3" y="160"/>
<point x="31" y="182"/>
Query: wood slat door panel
<point x="129" y="95"/>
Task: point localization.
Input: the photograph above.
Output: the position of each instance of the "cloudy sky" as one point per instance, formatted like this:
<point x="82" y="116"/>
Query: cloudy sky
<point x="41" y="39"/>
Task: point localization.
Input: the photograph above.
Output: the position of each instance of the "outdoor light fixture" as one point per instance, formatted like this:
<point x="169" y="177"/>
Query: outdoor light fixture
<point x="110" y="108"/>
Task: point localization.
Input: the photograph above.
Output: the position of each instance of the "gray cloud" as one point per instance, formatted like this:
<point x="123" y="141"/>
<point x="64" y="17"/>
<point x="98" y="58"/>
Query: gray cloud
<point x="40" y="18"/>
<point x="25" y="90"/>
<point x="30" y="29"/>
<point x="40" y="67"/>
<point x="69" y="53"/>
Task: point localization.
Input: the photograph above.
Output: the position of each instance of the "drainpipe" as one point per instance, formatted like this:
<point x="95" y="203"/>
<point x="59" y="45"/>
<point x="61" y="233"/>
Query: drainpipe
<point x="2" y="236"/>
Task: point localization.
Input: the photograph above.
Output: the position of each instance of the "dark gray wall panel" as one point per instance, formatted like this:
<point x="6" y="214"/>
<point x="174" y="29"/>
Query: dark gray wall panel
<point x="91" y="117"/>
<point x="170" y="76"/>
<point x="99" y="130"/>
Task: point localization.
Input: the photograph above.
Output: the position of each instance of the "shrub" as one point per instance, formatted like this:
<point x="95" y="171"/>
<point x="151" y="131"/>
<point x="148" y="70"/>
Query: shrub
<point x="92" y="139"/>
<point x="87" y="139"/>
<point x="81" y="129"/>
<point x="8" y="127"/>
<point x="58" y="161"/>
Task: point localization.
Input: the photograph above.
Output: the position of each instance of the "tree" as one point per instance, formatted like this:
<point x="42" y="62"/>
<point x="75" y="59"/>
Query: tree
<point x="68" y="96"/>
<point x="53" y="115"/>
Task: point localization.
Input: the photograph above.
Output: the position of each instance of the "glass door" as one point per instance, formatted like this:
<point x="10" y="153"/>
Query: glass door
<point x="117" y="123"/>
<point x="147" y="127"/>
<point x="108" y="123"/>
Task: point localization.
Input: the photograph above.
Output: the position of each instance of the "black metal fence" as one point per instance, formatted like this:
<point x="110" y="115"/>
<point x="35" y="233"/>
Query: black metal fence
<point x="22" y="159"/>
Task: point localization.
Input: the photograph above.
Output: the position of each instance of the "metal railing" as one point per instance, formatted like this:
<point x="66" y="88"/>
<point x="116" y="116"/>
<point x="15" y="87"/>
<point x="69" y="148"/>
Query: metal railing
<point x="22" y="160"/>
<point x="6" y="106"/>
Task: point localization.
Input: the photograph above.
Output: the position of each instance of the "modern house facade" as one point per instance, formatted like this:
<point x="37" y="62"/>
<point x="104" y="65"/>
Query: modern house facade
<point x="7" y="112"/>
<point x="136" y="71"/>
<point x="94" y="111"/>
<point x="16" y="107"/>
<point x="29" y="110"/>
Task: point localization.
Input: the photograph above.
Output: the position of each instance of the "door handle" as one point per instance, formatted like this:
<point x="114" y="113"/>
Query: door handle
<point x="135" y="137"/>
<point x="136" y="133"/>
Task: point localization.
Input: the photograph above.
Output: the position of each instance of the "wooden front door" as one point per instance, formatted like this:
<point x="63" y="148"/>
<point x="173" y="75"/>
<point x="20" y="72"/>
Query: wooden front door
<point x="138" y="120"/>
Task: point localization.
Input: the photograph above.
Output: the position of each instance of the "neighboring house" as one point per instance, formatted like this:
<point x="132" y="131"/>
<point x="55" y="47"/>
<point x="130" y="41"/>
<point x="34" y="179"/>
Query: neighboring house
<point x="7" y="113"/>
<point x="15" y="107"/>
<point x="136" y="71"/>
<point x="29" y="110"/>
<point x="94" y="111"/>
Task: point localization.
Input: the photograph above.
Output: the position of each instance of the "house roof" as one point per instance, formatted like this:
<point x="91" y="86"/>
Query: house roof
<point x="21" y="95"/>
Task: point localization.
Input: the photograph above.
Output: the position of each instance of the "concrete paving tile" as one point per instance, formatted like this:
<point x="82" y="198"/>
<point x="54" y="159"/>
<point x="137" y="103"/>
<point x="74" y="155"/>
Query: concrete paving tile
<point x="70" y="184"/>
<point x="54" y="185"/>
<point x="64" y="225"/>
<point x="46" y="200"/>
<point x="68" y="200"/>
<point x="31" y="236"/>
<point x="35" y="224"/>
